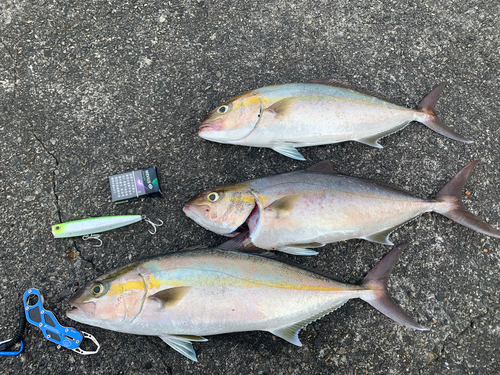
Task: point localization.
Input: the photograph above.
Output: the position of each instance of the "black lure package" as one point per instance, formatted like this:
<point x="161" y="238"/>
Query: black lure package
<point x="135" y="184"/>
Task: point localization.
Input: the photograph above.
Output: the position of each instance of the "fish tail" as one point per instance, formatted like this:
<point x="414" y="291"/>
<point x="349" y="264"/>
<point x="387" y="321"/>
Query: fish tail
<point x="376" y="281"/>
<point x="431" y="120"/>
<point x="455" y="210"/>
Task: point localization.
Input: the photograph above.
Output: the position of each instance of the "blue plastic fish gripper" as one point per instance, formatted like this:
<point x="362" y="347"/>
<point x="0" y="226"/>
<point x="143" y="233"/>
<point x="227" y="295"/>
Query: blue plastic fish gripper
<point x="69" y="338"/>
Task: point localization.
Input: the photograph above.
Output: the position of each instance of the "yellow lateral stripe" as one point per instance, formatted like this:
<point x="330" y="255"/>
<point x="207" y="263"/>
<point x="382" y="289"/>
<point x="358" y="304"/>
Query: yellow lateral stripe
<point x="118" y="288"/>
<point x="153" y="283"/>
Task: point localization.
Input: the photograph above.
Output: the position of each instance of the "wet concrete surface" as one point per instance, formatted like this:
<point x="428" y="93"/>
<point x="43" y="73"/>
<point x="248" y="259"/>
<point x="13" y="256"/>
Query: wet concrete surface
<point x="96" y="88"/>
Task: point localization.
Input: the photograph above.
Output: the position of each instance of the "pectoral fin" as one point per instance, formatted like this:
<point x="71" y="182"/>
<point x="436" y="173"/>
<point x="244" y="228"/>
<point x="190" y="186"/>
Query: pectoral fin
<point x="291" y="333"/>
<point x="373" y="140"/>
<point x="283" y="106"/>
<point x="288" y="150"/>
<point x="171" y="297"/>
<point x="182" y="343"/>
<point x="241" y="242"/>
<point x="284" y="205"/>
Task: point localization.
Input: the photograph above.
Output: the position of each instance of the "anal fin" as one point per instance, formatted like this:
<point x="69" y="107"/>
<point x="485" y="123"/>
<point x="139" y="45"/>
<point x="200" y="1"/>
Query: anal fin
<point x="382" y="237"/>
<point x="183" y="344"/>
<point x="291" y="333"/>
<point x="373" y="140"/>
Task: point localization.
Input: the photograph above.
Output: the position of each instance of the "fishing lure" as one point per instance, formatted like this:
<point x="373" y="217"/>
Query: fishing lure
<point x="88" y="228"/>
<point x="67" y="337"/>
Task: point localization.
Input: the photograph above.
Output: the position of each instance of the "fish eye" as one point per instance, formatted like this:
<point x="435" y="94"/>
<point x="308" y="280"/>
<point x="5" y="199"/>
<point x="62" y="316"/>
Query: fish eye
<point x="213" y="196"/>
<point x="57" y="227"/>
<point x="97" y="290"/>
<point x="223" y="109"/>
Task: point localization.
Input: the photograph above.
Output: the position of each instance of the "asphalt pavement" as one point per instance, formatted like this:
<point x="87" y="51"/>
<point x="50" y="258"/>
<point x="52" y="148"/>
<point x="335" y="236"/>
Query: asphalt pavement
<point x="94" y="88"/>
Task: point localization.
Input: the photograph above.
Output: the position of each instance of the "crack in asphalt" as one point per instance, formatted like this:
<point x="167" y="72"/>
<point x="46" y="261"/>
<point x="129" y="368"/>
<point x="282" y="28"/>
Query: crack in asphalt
<point x="91" y="260"/>
<point x="54" y="175"/>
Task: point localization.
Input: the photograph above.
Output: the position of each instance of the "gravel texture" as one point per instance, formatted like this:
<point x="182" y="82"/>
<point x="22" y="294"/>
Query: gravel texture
<point x="94" y="88"/>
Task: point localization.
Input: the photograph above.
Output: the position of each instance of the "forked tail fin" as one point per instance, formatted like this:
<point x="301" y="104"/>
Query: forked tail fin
<point x="432" y="121"/>
<point x="455" y="210"/>
<point x="376" y="280"/>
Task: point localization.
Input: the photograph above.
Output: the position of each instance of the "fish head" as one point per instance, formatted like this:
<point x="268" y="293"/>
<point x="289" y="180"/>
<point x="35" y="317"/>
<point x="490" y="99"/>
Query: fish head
<point x="222" y="210"/>
<point x="111" y="301"/>
<point x="233" y="120"/>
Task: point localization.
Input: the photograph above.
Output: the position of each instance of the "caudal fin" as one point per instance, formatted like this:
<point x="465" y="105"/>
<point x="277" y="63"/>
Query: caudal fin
<point x="376" y="280"/>
<point x="432" y="121"/>
<point x="455" y="210"/>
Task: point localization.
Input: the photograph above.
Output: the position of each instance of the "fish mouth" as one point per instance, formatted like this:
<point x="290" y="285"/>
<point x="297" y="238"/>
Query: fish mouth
<point x="200" y="215"/>
<point x="79" y="307"/>
<point x="209" y="127"/>
<point x="191" y="210"/>
<point x="81" y="310"/>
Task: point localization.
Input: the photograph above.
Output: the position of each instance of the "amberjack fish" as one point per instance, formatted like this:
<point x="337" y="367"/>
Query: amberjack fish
<point x="295" y="211"/>
<point x="184" y="296"/>
<point x="318" y="112"/>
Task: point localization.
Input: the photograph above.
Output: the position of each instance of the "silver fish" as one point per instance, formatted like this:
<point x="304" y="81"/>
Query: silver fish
<point x="184" y="296"/>
<point x="318" y="112"/>
<point x="295" y="211"/>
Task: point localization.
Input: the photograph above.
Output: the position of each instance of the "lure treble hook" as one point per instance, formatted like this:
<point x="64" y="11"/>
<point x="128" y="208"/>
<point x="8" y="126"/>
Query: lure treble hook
<point x="155" y="225"/>
<point x="93" y="237"/>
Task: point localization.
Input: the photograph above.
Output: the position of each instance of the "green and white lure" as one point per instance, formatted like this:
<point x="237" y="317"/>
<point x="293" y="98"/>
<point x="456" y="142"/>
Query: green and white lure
<point x="88" y="228"/>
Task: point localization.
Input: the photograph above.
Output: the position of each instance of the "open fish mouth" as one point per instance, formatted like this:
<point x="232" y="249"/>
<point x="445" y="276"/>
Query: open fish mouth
<point x="202" y="216"/>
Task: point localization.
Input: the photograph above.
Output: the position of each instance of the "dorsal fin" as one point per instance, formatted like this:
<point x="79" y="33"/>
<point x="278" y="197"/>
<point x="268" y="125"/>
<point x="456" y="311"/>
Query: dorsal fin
<point x="196" y="247"/>
<point x="330" y="81"/>
<point x="333" y="82"/>
<point x="325" y="166"/>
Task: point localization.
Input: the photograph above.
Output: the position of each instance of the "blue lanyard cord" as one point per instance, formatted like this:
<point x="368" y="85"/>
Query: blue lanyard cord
<point x="34" y="313"/>
<point x="6" y="345"/>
